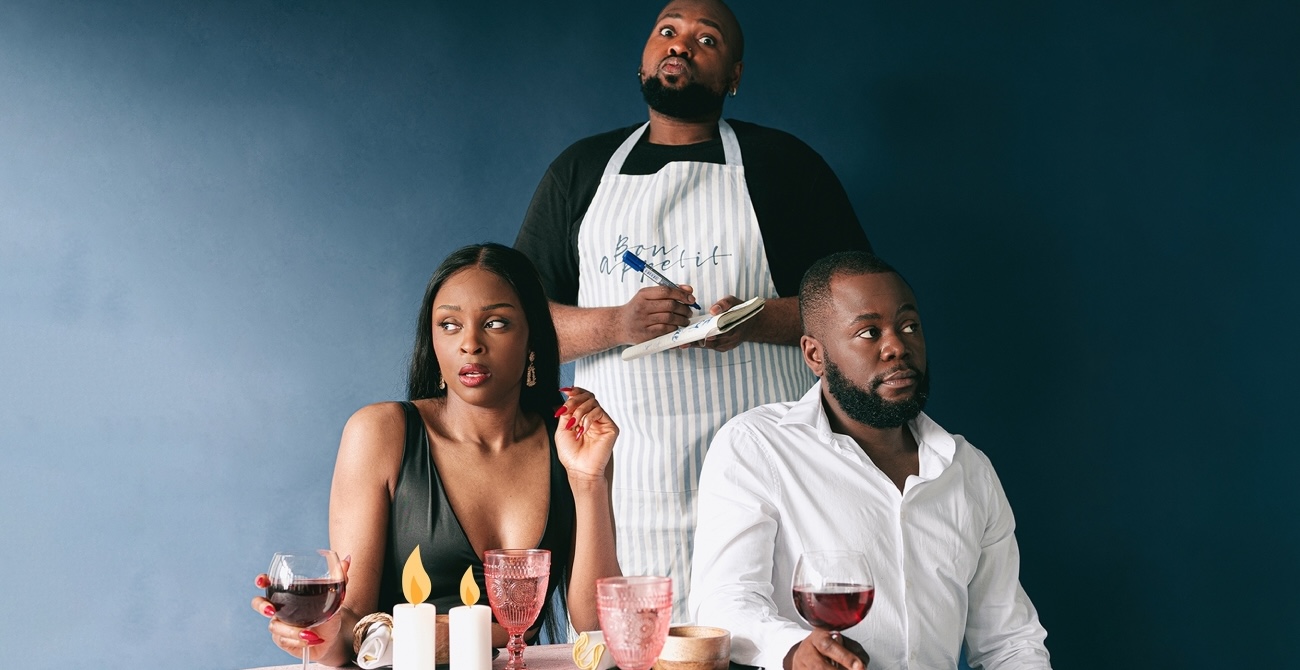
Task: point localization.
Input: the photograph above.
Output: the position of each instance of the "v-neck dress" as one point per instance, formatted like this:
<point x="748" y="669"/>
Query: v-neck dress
<point x="420" y="514"/>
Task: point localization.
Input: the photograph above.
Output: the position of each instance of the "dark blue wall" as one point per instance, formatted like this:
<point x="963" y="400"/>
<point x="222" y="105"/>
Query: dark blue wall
<point x="216" y="222"/>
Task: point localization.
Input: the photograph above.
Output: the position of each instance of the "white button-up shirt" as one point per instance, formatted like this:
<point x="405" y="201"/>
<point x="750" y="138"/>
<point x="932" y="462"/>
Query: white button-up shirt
<point x="778" y="482"/>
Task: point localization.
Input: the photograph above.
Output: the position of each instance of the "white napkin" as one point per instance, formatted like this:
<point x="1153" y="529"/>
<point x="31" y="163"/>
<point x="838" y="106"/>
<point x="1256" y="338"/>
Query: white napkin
<point x="377" y="648"/>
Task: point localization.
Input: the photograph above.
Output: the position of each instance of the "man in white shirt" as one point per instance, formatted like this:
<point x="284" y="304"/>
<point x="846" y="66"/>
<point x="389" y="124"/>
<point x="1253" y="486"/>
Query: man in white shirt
<point x="855" y="465"/>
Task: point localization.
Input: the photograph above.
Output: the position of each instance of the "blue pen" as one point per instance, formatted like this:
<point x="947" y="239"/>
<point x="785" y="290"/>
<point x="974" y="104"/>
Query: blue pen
<point x="633" y="261"/>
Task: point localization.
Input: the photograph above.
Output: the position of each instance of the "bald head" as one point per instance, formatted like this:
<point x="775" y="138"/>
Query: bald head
<point x="815" y="289"/>
<point x="725" y="18"/>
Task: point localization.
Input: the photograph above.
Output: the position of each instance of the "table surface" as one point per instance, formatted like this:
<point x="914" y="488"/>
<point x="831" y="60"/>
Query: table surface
<point x="541" y="657"/>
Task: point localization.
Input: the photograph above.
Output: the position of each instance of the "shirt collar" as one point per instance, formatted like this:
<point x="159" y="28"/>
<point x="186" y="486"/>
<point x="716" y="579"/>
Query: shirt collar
<point x="935" y="447"/>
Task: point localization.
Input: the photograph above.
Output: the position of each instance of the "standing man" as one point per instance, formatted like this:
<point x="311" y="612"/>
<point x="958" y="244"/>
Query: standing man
<point x="856" y="465"/>
<point x="722" y="208"/>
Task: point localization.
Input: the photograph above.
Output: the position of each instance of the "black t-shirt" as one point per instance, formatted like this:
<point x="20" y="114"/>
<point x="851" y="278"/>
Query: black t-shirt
<point x="802" y="209"/>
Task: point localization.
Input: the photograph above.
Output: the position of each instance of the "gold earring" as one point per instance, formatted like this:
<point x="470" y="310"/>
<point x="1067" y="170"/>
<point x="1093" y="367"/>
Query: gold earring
<point x="531" y="378"/>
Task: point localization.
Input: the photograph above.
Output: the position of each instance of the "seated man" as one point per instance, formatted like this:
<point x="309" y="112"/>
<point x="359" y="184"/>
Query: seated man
<point x="855" y="465"/>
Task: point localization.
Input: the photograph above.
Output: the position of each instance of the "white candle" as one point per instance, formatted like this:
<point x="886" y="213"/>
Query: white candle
<point x="470" y="630"/>
<point x="415" y="637"/>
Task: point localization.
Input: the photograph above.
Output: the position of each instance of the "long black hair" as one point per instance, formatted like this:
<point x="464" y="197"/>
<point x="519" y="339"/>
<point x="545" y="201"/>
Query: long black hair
<point x="518" y="271"/>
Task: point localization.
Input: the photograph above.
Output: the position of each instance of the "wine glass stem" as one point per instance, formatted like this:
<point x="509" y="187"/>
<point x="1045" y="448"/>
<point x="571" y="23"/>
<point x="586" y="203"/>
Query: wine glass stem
<point x="306" y="656"/>
<point x="516" y="649"/>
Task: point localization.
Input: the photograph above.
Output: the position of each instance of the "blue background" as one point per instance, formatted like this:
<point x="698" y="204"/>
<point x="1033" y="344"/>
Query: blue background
<point x="216" y="222"/>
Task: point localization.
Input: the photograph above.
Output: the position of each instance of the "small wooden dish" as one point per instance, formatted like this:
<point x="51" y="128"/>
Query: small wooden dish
<point x="695" y="648"/>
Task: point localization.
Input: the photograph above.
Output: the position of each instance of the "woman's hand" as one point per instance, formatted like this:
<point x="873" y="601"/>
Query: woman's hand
<point x="293" y="639"/>
<point x="585" y="436"/>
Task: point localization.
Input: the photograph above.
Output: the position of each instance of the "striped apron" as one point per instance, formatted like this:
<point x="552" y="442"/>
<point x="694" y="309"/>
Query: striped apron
<point x="695" y="224"/>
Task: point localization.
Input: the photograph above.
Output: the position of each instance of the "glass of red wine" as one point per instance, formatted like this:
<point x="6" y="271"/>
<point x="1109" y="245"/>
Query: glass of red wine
<point x="306" y="589"/>
<point x="833" y="590"/>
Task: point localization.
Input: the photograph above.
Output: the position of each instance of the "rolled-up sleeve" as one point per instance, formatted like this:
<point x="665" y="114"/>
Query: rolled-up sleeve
<point x="731" y="573"/>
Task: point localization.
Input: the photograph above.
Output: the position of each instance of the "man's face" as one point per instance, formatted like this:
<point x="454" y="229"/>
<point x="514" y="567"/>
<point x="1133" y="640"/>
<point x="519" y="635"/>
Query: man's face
<point x="688" y="65"/>
<point x="869" y="350"/>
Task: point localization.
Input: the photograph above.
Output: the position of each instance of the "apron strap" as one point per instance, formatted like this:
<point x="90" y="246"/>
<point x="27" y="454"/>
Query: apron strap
<point x="616" y="161"/>
<point x="730" y="148"/>
<point x="730" y="145"/>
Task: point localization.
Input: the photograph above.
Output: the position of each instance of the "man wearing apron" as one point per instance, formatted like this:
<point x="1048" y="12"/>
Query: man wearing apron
<point x="725" y="224"/>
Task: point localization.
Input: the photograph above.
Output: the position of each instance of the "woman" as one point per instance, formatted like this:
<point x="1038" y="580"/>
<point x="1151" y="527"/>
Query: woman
<point x="479" y="459"/>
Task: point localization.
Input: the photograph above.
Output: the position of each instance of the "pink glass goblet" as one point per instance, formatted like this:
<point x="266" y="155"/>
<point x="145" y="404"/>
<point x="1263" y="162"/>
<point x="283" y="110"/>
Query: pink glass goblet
<point x="634" y="616"/>
<point x="516" y="588"/>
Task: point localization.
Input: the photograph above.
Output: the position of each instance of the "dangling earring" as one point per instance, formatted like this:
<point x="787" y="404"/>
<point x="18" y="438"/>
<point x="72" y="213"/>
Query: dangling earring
<point x="530" y="379"/>
<point x="442" y="383"/>
<point x="733" y="92"/>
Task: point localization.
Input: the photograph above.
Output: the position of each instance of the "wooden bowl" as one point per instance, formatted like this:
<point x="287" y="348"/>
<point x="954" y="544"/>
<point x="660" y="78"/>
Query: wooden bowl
<point x="695" y="648"/>
<point x="440" y="655"/>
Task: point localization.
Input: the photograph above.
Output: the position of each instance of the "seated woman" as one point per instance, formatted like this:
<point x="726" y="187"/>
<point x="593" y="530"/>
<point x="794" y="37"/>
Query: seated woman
<point x="480" y="458"/>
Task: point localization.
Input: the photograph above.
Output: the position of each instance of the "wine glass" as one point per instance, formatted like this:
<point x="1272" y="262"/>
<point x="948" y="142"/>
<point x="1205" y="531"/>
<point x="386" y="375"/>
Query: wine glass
<point x="306" y="589"/>
<point x="634" y="616"/>
<point x="516" y="585"/>
<point x="833" y="590"/>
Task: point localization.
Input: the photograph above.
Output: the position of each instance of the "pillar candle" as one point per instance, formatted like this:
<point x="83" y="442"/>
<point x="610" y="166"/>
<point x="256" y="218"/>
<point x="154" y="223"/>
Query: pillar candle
<point x="470" y="629"/>
<point x="415" y="637"/>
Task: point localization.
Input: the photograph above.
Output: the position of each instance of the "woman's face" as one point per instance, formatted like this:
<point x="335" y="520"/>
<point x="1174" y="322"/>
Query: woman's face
<point x="480" y="337"/>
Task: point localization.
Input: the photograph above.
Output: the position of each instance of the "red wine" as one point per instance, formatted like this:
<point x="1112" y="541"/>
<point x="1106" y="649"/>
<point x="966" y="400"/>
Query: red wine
<point x="306" y="602"/>
<point x="834" y="606"/>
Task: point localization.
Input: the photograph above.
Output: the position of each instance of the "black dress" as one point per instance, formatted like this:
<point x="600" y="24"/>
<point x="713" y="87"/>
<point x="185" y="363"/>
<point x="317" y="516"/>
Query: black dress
<point x="420" y="514"/>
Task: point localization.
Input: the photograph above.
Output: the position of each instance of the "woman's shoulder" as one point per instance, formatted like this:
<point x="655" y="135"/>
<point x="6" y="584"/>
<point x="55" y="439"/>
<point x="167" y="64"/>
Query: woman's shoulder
<point x="379" y="416"/>
<point x="375" y="429"/>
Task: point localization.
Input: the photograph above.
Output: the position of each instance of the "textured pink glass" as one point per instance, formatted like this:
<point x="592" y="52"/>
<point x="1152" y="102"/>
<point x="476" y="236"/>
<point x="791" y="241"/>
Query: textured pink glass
<point x="516" y="588"/>
<point x="634" y="616"/>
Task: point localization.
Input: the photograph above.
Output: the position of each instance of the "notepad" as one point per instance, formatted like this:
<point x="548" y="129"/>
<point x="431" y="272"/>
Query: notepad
<point x="699" y="328"/>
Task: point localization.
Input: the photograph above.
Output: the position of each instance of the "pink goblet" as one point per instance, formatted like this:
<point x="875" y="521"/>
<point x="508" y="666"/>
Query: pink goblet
<point x="516" y="588"/>
<point x="634" y="616"/>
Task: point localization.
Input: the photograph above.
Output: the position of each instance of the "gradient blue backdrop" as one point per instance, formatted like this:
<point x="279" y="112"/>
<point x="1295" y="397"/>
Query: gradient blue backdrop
<point x="216" y="221"/>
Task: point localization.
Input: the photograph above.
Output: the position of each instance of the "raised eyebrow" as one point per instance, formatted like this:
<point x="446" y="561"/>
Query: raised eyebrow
<point x="708" y="22"/>
<point x="484" y="308"/>
<point x="713" y="24"/>
<point x="873" y="316"/>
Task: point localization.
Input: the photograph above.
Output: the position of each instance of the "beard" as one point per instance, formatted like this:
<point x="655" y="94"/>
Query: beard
<point x="867" y="406"/>
<point x="692" y="101"/>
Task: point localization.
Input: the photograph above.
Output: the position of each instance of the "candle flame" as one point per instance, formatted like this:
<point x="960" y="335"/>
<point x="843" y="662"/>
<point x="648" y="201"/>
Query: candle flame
<point x="586" y="655"/>
<point x="415" y="581"/>
<point x="468" y="587"/>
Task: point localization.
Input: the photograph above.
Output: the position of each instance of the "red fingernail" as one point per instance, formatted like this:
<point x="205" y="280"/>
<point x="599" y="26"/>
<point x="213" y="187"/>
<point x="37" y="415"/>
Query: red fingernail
<point x="570" y="423"/>
<point x="263" y="582"/>
<point x="566" y="389"/>
<point x="269" y="610"/>
<point x="561" y="410"/>
<point x="310" y="637"/>
<point x="578" y="432"/>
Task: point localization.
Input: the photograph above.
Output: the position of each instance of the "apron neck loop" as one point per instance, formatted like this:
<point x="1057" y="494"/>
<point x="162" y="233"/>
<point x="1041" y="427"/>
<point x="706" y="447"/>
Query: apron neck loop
<point x="730" y="147"/>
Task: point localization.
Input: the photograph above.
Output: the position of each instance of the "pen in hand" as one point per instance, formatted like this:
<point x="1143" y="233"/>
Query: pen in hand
<point x="633" y="261"/>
